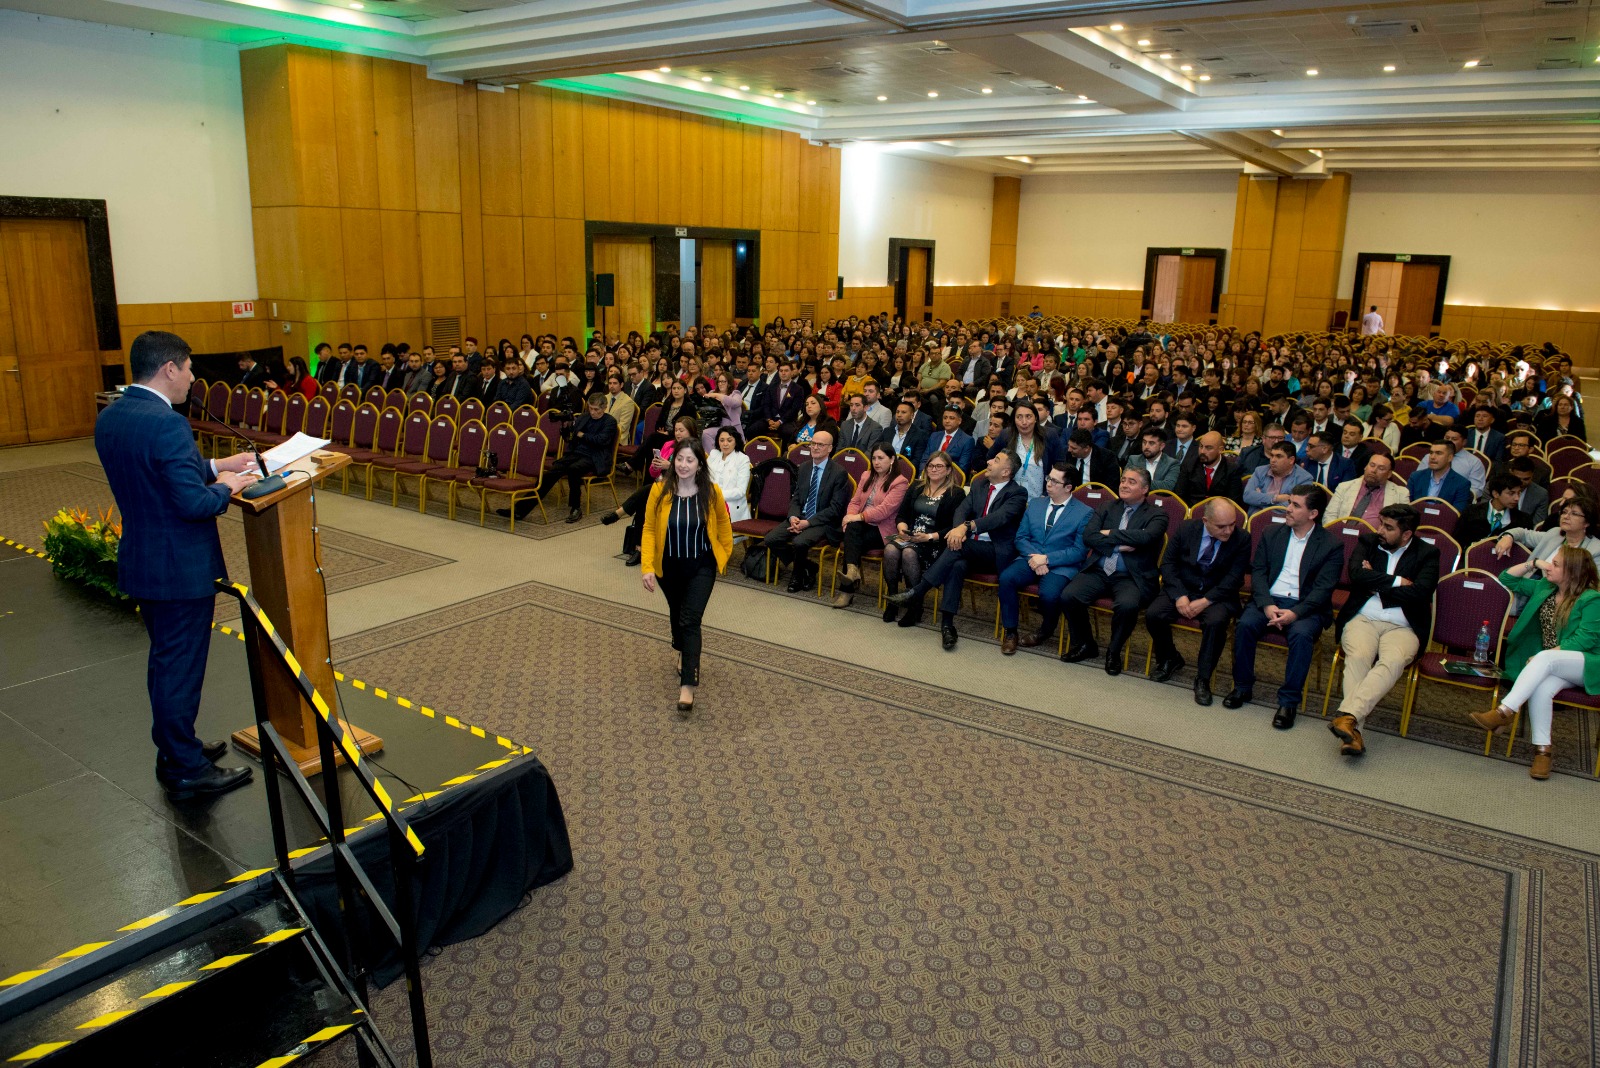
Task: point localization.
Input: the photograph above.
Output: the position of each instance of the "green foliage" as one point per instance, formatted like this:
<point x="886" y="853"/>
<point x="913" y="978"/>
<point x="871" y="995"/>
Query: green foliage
<point x="84" y="549"/>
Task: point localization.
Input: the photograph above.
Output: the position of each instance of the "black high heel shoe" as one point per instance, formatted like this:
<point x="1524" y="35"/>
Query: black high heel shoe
<point x="609" y="518"/>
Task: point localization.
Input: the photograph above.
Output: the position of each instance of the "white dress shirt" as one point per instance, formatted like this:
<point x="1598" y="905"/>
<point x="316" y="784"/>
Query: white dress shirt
<point x="1374" y="609"/>
<point x="1288" y="582"/>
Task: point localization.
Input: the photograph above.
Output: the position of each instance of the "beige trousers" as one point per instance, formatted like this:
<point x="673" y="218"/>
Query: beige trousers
<point x="1375" y="656"/>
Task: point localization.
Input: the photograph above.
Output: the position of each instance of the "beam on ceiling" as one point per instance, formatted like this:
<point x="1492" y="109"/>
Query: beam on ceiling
<point x="1243" y="146"/>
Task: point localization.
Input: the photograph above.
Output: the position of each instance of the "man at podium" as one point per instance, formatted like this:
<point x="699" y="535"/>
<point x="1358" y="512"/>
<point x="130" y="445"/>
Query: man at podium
<point x="170" y="555"/>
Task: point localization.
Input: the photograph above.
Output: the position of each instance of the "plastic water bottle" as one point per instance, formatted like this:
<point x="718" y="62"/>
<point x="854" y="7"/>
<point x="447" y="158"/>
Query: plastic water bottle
<point x="1480" y="650"/>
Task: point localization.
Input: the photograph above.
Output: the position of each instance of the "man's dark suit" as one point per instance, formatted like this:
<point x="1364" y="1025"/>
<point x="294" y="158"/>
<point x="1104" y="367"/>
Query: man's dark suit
<point x="1192" y="485"/>
<point x="328" y="369"/>
<point x="850" y="436"/>
<point x="1102" y="467"/>
<point x="256" y="377"/>
<point x="913" y="445"/>
<point x="362" y="374"/>
<point x="516" y="392"/>
<point x="1217" y="581"/>
<point x="487" y="390"/>
<point x="393" y="378"/>
<point x="1494" y="445"/>
<point x="1419" y="563"/>
<point x="1131" y="586"/>
<point x="833" y="497"/>
<point x="1474" y="524"/>
<point x="168" y="560"/>
<point x="784" y="403"/>
<point x="1320" y="565"/>
<point x="997" y="514"/>
<point x="643" y="394"/>
<point x="1339" y="470"/>
<point x="454" y="385"/>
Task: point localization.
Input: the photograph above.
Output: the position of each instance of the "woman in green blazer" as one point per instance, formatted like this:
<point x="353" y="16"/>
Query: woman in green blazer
<point x="1554" y="645"/>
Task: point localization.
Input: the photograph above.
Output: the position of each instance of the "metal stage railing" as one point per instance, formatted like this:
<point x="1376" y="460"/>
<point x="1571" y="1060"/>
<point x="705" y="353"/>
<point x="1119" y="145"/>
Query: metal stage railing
<point x="345" y="965"/>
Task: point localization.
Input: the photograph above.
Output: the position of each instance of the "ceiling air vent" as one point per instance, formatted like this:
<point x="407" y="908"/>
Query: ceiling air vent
<point x="836" y="72"/>
<point x="1569" y="39"/>
<point x="1004" y="73"/>
<point x="1389" y="28"/>
<point x="939" y="50"/>
<point x="1244" y="77"/>
<point x="1559" y="3"/>
<point x="1557" y="64"/>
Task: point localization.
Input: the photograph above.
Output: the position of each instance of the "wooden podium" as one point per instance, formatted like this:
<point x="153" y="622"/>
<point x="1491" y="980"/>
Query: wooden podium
<point x="283" y="578"/>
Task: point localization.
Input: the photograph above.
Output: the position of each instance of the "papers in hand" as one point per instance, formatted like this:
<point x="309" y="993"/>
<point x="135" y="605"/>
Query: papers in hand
<point x="296" y="448"/>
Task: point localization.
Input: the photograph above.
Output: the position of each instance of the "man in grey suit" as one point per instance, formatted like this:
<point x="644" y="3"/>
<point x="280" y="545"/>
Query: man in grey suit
<point x="1163" y="468"/>
<point x="1535" y="499"/>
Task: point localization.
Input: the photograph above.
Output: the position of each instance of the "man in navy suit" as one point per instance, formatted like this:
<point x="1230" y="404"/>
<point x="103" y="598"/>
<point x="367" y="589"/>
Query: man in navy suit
<point x="1049" y="552"/>
<point x="983" y="540"/>
<point x="951" y="440"/>
<point x="1124" y="541"/>
<point x="170" y="554"/>
<point x="1202" y="573"/>
<point x="1324" y="462"/>
<point x="1438" y="480"/>
<point x="1484" y="437"/>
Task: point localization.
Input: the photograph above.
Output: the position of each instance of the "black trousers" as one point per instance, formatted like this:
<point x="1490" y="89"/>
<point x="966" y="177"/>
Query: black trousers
<point x="633" y="507"/>
<point x="687" y="584"/>
<point x="1161" y="616"/>
<point x="793" y="548"/>
<point x="180" y="642"/>
<point x="1087" y="587"/>
<point x="573" y="468"/>
<point x="860" y="539"/>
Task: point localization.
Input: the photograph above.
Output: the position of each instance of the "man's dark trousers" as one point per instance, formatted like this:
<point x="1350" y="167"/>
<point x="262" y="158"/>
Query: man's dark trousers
<point x="180" y="642"/>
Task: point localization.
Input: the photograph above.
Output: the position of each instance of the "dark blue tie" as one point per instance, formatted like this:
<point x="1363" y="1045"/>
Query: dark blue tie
<point x="816" y="488"/>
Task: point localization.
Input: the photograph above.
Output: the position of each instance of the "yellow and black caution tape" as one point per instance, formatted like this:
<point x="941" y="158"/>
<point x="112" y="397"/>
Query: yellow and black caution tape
<point x="345" y="744"/>
<point x="477" y="732"/>
<point x="310" y="1044"/>
<point x="24" y="548"/>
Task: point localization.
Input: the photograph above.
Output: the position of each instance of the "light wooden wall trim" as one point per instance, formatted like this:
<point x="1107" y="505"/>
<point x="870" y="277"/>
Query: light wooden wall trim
<point x="1003" y="229"/>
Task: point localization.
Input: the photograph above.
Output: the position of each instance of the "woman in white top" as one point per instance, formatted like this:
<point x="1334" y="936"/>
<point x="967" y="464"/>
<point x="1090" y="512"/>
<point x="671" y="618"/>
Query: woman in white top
<point x="730" y="470"/>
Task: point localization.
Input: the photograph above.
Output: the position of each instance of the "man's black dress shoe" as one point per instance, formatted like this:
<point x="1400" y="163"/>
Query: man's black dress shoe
<point x="574" y="515"/>
<point x="631" y="560"/>
<point x="215" y="781"/>
<point x="1285" y="717"/>
<point x="799" y="580"/>
<point x="1237" y="698"/>
<point x="214" y="751"/>
<point x="1202" y="692"/>
<point x="948" y="636"/>
<point x="1113" y="664"/>
<point x="1167" y="668"/>
<point x="1080" y="653"/>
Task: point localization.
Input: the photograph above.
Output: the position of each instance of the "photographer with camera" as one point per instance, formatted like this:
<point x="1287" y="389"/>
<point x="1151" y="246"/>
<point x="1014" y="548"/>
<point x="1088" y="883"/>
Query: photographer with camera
<point x="561" y="386"/>
<point x="591" y="443"/>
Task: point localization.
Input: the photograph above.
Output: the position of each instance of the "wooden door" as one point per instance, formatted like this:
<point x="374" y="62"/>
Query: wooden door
<point x="50" y="312"/>
<point x="1419" y="292"/>
<point x="1196" y="285"/>
<point x="916" y="284"/>
<point x="1164" y="298"/>
<point x="1382" y="291"/>
<point x="716" y="284"/>
<point x="632" y="261"/>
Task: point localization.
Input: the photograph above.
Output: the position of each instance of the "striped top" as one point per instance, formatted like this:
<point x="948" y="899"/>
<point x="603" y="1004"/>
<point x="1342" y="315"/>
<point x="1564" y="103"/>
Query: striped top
<point x="686" y="537"/>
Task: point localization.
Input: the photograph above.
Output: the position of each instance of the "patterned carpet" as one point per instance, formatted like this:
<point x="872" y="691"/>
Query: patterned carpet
<point x="828" y="865"/>
<point x="28" y="498"/>
<point x="1440" y="715"/>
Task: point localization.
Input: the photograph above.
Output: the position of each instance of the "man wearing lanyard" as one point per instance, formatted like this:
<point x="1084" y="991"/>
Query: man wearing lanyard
<point x="983" y="540"/>
<point x="1393" y="575"/>
<point x="1124" y="541"/>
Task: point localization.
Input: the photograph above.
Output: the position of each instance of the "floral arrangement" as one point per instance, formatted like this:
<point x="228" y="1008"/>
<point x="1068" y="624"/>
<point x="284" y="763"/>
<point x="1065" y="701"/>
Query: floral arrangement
<point x="84" y="549"/>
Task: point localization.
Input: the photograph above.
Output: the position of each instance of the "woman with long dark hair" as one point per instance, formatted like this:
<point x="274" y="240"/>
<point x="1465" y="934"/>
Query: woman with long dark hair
<point x="687" y="541"/>
<point x="871" y="517"/>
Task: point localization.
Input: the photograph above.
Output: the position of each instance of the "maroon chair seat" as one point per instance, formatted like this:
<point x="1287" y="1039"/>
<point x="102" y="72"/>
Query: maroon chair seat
<point x="756" y="528"/>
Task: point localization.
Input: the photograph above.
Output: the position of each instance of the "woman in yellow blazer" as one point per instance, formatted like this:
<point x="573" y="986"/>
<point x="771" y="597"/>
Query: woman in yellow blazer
<point x="1554" y="645"/>
<point x="687" y="540"/>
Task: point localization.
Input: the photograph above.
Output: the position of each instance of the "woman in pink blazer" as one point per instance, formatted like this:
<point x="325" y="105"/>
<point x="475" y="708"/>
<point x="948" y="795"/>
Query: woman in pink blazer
<point x="869" y="519"/>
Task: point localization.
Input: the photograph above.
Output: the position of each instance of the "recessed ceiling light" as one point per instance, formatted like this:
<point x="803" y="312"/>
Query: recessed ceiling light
<point x="986" y="90"/>
<point x="744" y="88"/>
<point x="1278" y="132"/>
<point x="1116" y="27"/>
<point x="1166" y="55"/>
<point x="1144" y="42"/>
<point x="778" y="95"/>
<point x="1205" y="77"/>
<point x="1311" y="72"/>
<point x="705" y="77"/>
<point x="664" y="70"/>
<point x="1469" y="64"/>
<point x="1388" y="68"/>
<point x="1186" y="67"/>
<point x="811" y="103"/>
<point x="932" y="94"/>
<point x="881" y="99"/>
<point x="1083" y="98"/>
<point x="358" y="6"/>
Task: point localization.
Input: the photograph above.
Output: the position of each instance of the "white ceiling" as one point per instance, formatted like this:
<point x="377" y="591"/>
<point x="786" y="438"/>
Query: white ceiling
<point x="1072" y="86"/>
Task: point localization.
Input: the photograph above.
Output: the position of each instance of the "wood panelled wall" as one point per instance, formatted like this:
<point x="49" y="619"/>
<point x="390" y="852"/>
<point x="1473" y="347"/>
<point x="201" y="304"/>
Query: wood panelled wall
<point x="208" y="326"/>
<point x="1003" y="230"/>
<point x="383" y="199"/>
<point x="1288" y="237"/>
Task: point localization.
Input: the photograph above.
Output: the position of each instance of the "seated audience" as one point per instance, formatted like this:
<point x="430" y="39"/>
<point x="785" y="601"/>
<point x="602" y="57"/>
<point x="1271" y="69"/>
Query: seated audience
<point x="1575" y="520"/>
<point x="816" y="507"/>
<point x="1152" y="455"/>
<point x="1389" y="614"/>
<point x="1202" y="573"/>
<point x="591" y="445"/>
<point x="1088" y="462"/>
<point x="1295" y="568"/>
<point x="515" y="390"/>
<point x="904" y="436"/>
<point x="871" y="516"/>
<point x="1276" y="479"/>
<point x="1323" y="463"/>
<point x="1050" y="551"/>
<point x="1496" y="512"/>
<point x="1561" y="418"/>
<point x="1211" y="473"/>
<point x="858" y="431"/>
<point x="1124" y="541"/>
<point x="983" y="539"/>
<point x="927" y="514"/>
<point x="1465" y="464"/>
<point x="1555" y="644"/>
<point x="951" y="439"/>
<point x="813" y="419"/>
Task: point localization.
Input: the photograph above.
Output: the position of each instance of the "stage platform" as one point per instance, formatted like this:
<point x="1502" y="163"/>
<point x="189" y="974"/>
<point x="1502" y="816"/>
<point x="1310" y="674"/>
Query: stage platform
<point x="89" y="842"/>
